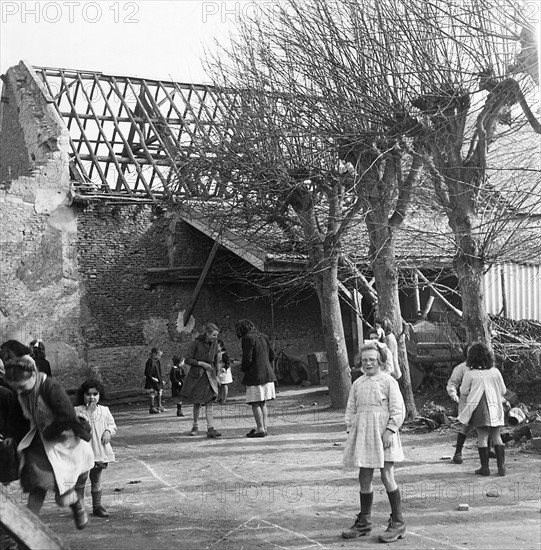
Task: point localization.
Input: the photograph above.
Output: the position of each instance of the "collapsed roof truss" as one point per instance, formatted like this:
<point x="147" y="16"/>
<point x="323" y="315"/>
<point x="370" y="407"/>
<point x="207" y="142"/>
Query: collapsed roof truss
<point x="134" y="136"/>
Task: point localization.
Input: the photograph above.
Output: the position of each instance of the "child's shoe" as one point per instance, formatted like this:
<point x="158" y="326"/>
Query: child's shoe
<point x="395" y="530"/>
<point x="213" y="434"/>
<point x="179" y="410"/>
<point x="457" y="458"/>
<point x="361" y="527"/>
<point x="97" y="509"/>
<point x="79" y="514"/>
<point x="153" y="410"/>
<point x="100" y="512"/>
<point x="193" y="431"/>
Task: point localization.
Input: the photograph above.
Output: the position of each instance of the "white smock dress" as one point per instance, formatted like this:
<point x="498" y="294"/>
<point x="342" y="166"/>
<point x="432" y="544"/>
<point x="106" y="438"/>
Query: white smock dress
<point x="375" y="404"/>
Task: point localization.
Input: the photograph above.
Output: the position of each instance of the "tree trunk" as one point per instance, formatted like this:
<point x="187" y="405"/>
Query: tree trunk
<point x="470" y="280"/>
<point x="326" y="281"/>
<point x="469" y="267"/>
<point x="386" y="275"/>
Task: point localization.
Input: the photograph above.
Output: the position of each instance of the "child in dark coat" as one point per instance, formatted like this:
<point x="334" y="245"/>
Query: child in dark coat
<point x="177" y="376"/>
<point x="154" y="381"/>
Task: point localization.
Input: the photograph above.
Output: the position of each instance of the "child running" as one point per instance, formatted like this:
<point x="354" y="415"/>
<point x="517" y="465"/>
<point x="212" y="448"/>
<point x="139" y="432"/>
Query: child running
<point x="374" y="414"/>
<point x="55" y="453"/>
<point x="103" y="428"/>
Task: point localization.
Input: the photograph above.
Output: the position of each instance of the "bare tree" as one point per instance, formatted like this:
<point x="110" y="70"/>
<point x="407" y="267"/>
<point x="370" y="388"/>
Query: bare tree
<point x="318" y="132"/>
<point x="455" y="58"/>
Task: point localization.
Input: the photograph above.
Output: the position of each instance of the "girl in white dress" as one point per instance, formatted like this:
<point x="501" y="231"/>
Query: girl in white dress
<point x="103" y="429"/>
<point x="374" y="414"/>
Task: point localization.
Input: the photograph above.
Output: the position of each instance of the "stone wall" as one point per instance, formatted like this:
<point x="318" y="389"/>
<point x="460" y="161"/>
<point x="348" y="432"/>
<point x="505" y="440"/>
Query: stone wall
<point x="39" y="285"/>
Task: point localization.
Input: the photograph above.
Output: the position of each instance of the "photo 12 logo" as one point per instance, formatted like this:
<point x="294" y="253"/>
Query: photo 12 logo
<point x="69" y="12"/>
<point x="228" y="11"/>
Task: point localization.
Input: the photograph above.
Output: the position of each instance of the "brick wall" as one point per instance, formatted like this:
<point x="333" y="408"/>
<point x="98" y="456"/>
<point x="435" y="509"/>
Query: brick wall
<point x="123" y="316"/>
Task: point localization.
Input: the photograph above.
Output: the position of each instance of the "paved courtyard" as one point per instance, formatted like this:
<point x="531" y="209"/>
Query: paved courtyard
<point x="289" y="490"/>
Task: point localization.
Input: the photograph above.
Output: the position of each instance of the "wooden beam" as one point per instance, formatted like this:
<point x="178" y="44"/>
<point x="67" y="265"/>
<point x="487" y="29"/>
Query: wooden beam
<point x="416" y="297"/>
<point x="233" y="242"/>
<point x="24" y="526"/>
<point x="197" y="290"/>
<point x="439" y="294"/>
<point x="428" y="307"/>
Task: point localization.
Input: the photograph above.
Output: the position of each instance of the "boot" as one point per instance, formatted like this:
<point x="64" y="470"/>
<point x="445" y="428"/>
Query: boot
<point x="97" y="509"/>
<point x="363" y="523"/>
<point x="483" y="457"/>
<point x="79" y="514"/>
<point x="213" y="434"/>
<point x="460" y="438"/>
<point x="500" y="458"/>
<point x="396" y="529"/>
<point x="152" y="409"/>
<point x="159" y="406"/>
<point x="179" y="410"/>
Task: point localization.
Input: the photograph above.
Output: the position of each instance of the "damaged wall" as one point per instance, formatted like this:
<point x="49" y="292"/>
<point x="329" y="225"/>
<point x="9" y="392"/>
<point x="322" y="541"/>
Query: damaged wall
<point x="75" y="274"/>
<point x="39" y="286"/>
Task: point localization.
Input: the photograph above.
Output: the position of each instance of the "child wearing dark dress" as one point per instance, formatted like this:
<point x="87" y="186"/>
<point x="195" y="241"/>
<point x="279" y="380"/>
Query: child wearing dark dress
<point x="177" y="376"/>
<point x="154" y="381"/>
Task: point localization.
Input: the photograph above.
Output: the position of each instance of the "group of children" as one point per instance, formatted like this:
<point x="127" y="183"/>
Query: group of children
<point x="154" y="381"/>
<point x="60" y="446"/>
<point x="65" y="445"/>
<point x="375" y="412"/>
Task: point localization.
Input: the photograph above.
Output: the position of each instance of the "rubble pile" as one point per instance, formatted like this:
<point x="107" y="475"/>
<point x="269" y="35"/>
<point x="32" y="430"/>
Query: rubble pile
<point x="523" y="330"/>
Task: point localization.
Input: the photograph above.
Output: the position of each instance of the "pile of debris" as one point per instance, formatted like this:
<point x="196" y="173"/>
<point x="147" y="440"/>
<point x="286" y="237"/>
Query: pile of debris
<point x="517" y="332"/>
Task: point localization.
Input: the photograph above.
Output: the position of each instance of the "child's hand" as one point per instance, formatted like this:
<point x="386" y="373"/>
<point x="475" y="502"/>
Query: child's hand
<point x="387" y="438"/>
<point x="455" y="398"/>
<point x="91" y="407"/>
<point x="106" y="437"/>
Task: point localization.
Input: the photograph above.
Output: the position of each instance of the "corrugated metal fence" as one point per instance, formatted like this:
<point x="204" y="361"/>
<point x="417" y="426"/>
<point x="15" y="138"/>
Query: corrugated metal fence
<point x="514" y="291"/>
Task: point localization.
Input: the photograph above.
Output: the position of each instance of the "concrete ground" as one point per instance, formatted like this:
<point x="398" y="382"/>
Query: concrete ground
<point x="289" y="490"/>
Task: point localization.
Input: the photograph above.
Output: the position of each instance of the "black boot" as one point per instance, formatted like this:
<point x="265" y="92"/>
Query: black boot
<point x="483" y="457"/>
<point x="97" y="509"/>
<point x="159" y="406"/>
<point x="152" y="409"/>
<point x="79" y="514"/>
<point x="179" y="410"/>
<point x="500" y="458"/>
<point x="460" y="438"/>
<point x="363" y="523"/>
<point x="396" y="528"/>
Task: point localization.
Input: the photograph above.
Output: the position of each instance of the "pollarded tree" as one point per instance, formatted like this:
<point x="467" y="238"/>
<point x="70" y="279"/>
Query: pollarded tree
<point x="308" y="95"/>
<point x="452" y="64"/>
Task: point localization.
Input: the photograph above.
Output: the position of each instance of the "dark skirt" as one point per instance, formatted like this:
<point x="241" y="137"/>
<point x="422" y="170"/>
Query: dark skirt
<point x="37" y="472"/>
<point x="196" y="388"/>
<point x="481" y="415"/>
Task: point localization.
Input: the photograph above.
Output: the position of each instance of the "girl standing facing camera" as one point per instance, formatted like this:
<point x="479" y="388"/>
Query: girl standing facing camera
<point x="374" y="414"/>
<point x="103" y="428"/>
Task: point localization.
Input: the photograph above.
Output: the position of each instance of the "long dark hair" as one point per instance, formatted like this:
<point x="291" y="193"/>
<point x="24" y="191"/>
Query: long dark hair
<point x="479" y="357"/>
<point x="243" y="327"/>
<point x="38" y="349"/>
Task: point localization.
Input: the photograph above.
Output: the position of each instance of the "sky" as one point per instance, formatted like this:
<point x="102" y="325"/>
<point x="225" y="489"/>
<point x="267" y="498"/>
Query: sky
<point x="147" y="38"/>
